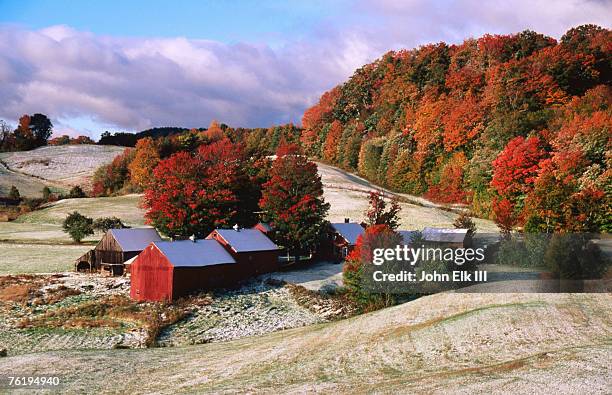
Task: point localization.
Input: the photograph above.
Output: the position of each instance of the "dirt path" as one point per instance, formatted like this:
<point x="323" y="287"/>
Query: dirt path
<point x="334" y="177"/>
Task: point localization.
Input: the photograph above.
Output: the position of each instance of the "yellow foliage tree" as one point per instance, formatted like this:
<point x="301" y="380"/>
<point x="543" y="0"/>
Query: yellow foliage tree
<point x="145" y="160"/>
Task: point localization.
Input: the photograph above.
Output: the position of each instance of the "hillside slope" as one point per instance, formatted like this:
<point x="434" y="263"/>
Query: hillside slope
<point x="459" y="343"/>
<point x="348" y="195"/>
<point x="501" y="123"/>
<point x="55" y="166"/>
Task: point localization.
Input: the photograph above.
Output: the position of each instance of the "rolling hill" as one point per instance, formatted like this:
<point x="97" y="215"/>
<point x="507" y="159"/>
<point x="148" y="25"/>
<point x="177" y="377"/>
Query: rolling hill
<point x="468" y="343"/>
<point x="59" y="167"/>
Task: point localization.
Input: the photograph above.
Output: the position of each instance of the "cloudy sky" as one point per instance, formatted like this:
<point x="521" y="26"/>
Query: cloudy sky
<point x="115" y="66"/>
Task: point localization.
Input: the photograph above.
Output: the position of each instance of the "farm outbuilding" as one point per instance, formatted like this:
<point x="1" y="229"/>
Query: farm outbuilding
<point x="408" y="236"/>
<point x="340" y="241"/>
<point x="254" y="251"/>
<point x="450" y="237"/>
<point x="263" y="227"/>
<point x="115" y="248"/>
<point x="167" y="270"/>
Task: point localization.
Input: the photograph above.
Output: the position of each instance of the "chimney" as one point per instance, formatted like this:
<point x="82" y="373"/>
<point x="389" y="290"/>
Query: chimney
<point x="347" y="220"/>
<point x="236" y="228"/>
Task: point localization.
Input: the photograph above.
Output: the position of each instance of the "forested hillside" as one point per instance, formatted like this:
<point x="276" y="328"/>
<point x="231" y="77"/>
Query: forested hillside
<point x="516" y="126"/>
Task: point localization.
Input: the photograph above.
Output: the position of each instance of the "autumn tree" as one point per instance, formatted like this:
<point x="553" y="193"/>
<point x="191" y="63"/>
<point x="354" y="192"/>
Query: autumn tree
<point x="330" y="148"/>
<point x="360" y="259"/>
<point x="465" y="221"/>
<point x="514" y="173"/>
<point x="292" y="201"/>
<point x="451" y="110"/>
<point x="379" y="213"/>
<point x="214" y="132"/>
<point x="146" y="157"/>
<point x="192" y="194"/>
<point x="114" y="177"/>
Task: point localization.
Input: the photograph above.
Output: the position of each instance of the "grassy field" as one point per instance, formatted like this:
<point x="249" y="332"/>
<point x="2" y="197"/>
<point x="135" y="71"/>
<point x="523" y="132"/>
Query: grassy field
<point x="35" y="242"/>
<point x="60" y="165"/>
<point x="348" y="196"/>
<point x="19" y="258"/>
<point x="28" y="186"/>
<point x="124" y="207"/>
<point x="475" y="343"/>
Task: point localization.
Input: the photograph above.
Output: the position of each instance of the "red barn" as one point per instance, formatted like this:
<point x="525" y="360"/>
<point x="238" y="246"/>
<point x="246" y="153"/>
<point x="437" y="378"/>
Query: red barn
<point x="254" y="251"/>
<point x="167" y="270"/>
<point x="340" y="241"/>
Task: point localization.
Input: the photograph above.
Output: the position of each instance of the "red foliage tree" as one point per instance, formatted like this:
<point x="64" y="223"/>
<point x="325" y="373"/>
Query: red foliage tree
<point x="516" y="167"/>
<point x="330" y="148"/>
<point x="449" y="189"/>
<point x="293" y="203"/>
<point x="194" y="194"/>
<point x="378" y="213"/>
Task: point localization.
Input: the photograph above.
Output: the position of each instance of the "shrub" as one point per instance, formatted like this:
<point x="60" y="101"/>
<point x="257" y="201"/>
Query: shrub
<point x="14" y="193"/>
<point x="575" y="257"/>
<point x="76" y="192"/>
<point x="465" y="221"/>
<point x="78" y="226"/>
<point x="106" y="223"/>
<point x="46" y="192"/>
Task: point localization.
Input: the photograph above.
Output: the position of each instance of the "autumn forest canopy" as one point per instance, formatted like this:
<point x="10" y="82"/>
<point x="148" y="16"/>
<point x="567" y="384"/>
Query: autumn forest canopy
<point x="516" y="126"/>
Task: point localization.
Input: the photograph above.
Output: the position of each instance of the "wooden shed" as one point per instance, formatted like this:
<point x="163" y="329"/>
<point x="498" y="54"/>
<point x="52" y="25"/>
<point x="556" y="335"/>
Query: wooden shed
<point x="167" y="270"/>
<point x="254" y="251"/>
<point x="116" y="247"/>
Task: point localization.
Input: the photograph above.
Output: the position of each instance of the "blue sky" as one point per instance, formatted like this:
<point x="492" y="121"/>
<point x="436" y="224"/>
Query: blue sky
<point x="225" y="21"/>
<point x="130" y="65"/>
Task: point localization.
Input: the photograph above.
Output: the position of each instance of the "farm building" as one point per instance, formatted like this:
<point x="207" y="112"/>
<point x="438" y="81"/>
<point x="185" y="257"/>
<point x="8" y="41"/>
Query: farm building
<point x="167" y="270"/>
<point x="340" y="241"/>
<point x="447" y="236"/>
<point x="263" y="227"/>
<point x="115" y="248"/>
<point x="408" y="235"/>
<point x="254" y="251"/>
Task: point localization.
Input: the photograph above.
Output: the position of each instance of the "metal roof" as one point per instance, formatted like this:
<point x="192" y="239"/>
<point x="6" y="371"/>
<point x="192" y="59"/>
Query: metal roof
<point x="444" y="235"/>
<point x="247" y="240"/>
<point x="264" y="225"/>
<point x="349" y="231"/>
<point x="135" y="239"/>
<point x="407" y="235"/>
<point x="198" y="253"/>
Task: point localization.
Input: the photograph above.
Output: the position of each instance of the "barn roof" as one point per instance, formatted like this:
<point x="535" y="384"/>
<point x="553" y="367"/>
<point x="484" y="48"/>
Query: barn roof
<point x="444" y="235"/>
<point x="348" y="230"/>
<point x="247" y="240"/>
<point x="407" y="235"/>
<point x="264" y="225"/>
<point x="199" y="253"/>
<point x="135" y="239"/>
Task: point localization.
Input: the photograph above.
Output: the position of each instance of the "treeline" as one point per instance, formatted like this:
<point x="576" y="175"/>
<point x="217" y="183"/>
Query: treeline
<point x="33" y="131"/>
<point x="516" y="126"/>
<point x="130" y="171"/>
<point x="201" y="180"/>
